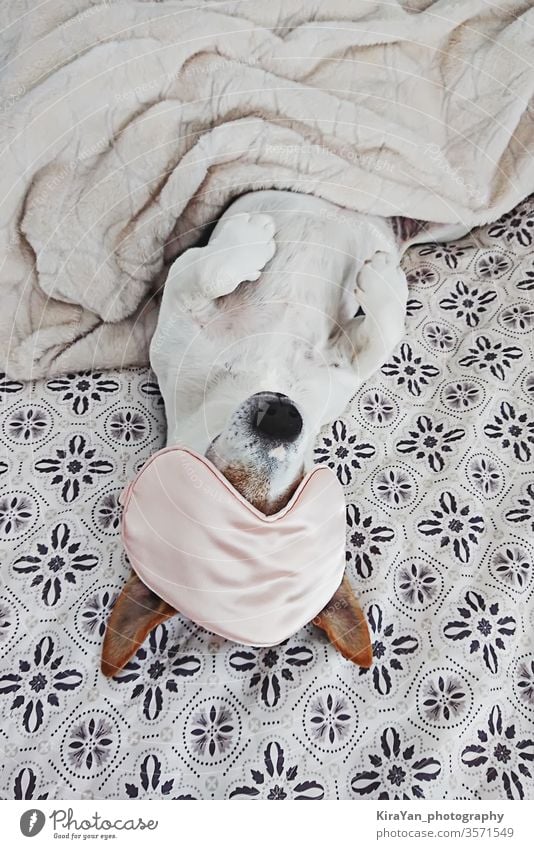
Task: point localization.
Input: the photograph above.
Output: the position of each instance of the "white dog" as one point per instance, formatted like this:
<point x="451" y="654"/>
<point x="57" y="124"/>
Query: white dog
<point x="258" y="345"/>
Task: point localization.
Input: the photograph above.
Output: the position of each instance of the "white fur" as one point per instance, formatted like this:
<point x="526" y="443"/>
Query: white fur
<point x="289" y="329"/>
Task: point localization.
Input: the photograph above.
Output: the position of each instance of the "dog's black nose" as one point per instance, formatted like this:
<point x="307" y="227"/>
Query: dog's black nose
<point x="276" y="417"/>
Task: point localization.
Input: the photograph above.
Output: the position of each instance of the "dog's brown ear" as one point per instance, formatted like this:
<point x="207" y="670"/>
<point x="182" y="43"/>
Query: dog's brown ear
<point x="346" y="626"/>
<point x="136" y="612"/>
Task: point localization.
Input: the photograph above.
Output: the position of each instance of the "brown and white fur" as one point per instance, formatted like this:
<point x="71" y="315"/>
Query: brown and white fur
<point x="262" y="321"/>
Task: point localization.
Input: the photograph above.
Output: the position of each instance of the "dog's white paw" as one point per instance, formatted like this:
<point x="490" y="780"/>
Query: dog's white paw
<point x="381" y="278"/>
<point x="244" y="245"/>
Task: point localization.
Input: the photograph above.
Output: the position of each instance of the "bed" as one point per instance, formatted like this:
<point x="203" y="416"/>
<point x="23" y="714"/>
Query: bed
<point x="435" y="455"/>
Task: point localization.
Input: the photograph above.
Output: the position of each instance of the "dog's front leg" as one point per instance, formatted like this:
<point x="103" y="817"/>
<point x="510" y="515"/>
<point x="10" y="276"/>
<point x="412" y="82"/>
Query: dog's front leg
<point x="237" y="252"/>
<point x="382" y="292"/>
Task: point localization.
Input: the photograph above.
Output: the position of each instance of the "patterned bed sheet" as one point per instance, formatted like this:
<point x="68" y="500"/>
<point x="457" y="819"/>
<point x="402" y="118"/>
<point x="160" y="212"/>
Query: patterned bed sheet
<point x="436" y="456"/>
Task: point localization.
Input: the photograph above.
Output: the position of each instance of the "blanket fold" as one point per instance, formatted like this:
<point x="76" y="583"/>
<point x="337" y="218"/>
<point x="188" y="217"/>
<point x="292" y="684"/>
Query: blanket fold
<point x="127" y="127"/>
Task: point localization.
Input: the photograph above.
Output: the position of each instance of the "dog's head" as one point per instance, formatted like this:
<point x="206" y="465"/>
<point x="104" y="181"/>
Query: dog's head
<point x="259" y="423"/>
<point x="261" y="451"/>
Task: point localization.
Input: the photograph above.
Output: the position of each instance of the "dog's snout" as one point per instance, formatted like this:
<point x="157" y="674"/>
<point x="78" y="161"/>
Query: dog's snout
<point x="276" y="417"/>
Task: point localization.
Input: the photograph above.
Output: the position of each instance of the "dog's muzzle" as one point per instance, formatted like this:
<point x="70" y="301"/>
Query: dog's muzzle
<point x="275" y="417"/>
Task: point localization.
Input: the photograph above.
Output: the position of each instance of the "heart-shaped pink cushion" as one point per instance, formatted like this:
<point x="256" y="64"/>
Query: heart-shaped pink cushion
<point x="199" y="545"/>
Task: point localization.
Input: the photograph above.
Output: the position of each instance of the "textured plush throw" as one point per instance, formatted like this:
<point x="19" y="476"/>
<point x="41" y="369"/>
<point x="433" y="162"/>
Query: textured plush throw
<point x="128" y="126"/>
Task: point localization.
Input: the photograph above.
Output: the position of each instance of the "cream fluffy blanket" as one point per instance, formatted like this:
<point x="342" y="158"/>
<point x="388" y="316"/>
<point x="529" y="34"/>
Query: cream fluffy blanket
<point x="128" y="126"/>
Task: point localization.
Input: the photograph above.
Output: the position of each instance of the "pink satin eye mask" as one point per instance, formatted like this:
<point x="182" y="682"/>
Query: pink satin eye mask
<point x="201" y="547"/>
